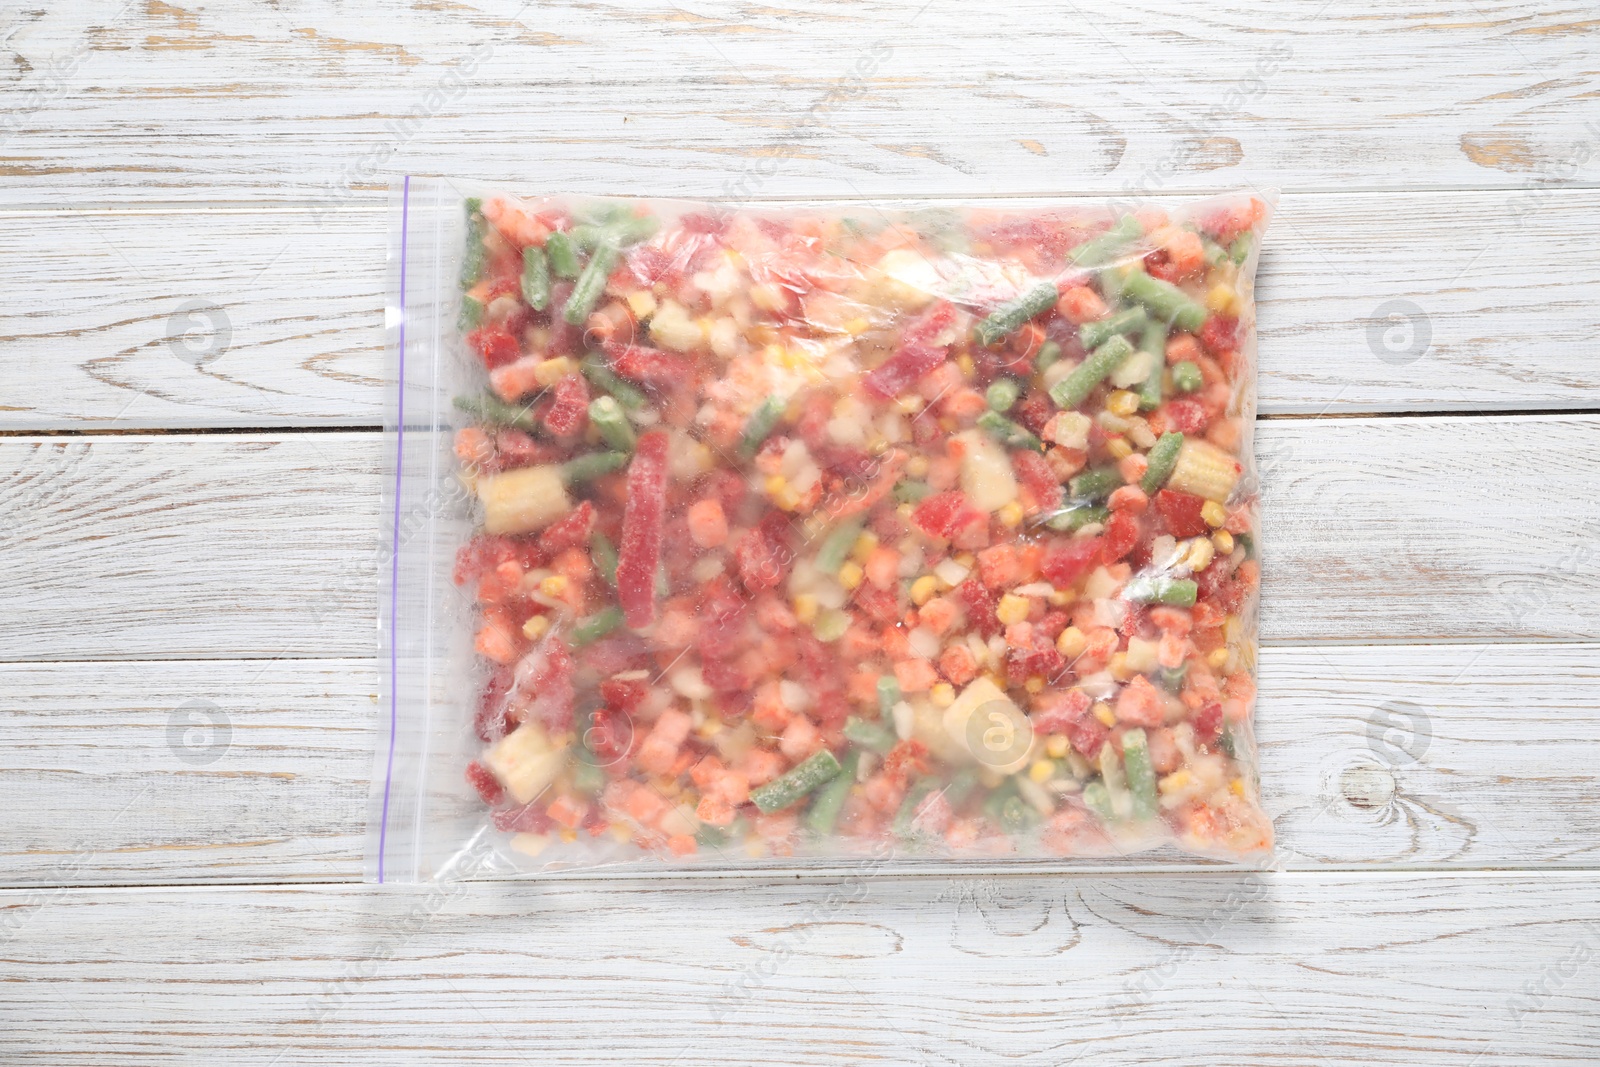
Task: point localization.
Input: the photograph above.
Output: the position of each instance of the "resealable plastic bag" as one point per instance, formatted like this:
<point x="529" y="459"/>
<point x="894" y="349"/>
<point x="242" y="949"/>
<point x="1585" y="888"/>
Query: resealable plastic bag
<point x="821" y="533"/>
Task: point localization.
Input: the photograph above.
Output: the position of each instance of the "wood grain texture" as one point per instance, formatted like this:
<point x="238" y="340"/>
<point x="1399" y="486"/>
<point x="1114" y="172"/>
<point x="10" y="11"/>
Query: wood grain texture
<point x="315" y="100"/>
<point x="286" y="309"/>
<point x="257" y="546"/>
<point x="239" y="770"/>
<point x="1237" y="968"/>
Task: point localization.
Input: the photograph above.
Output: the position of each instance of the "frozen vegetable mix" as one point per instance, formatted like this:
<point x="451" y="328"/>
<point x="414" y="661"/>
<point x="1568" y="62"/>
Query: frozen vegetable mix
<point x="827" y="531"/>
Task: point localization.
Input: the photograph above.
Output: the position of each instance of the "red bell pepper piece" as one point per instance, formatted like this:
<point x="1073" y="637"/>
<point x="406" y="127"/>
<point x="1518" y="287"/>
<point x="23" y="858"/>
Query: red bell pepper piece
<point x="1181" y="512"/>
<point x="569" y="406"/>
<point x="650" y="365"/>
<point x="496" y="347"/>
<point x="916" y="356"/>
<point x="643" y="519"/>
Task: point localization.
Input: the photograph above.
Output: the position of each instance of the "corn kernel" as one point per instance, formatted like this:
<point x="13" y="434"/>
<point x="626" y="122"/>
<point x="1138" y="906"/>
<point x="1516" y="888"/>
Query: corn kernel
<point x="1123" y="402"/>
<point x="554" y="586"/>
<point x="1012" y="609"/>
<point x="1103" y="712"/>
<point x="942" y="695"/>
<point x="1237" y="787"/>
<point x="1213" y="513"/>
<point x="1119" y="448"/>
<point x="1035" y="684"/>
<point x="710" y="728"/>
<point x="551" y="371"/>
<point x="1059" y="599"/>
<point x="923" y="589"/>
<point x="775" y="484"/>
<point x="967" y="560"/>
<point x="917" y="467"/>
<point x="865" y="546"/>
<point x="569" y="836"/>
<point x="1222" y="298"/>
<point x="1217" y="659"/>
<point x="964" y="362"/>
<point x="536" y="627"/>
<point x="909" y="404"/>
<point x="1010" y="515"/>
<point x="788" y="499"/>
<point x="1071" y="643"/>
<point x="1056" y="746"/>
<point x="905" y="511"/>
<point x="1041" y="770"/>
<point x="856" y="326"/>
<point x="1222" y="541"/>
<point x="622" y="832"/>
<point x="805" y="608"/>
<point x="1200" y="554"/>
<point x="1119" y="666"/>
<point x="850" y="574"/>
<point x="1177" y="780"/>
<point x="642" y="303"/>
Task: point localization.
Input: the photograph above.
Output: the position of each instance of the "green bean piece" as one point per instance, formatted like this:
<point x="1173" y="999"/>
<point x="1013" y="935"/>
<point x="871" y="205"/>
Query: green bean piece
<point x="792" y="786"/>
<point x="1072" y="390"/>
<point x="475" y="255"/>
<point x="835" y="548"/>
<point x="592" y="465"/>
<point x="1239" y="251"/>
<point x="1141" y="776"/>
<point x="1075" y="516"/>
<point x="872" y="736"/>
<point x="625" y="230"/>
<point x="888" y="696"/>
<point x="824" y="813"/>
<point x="535" y="277"/>
<point x="1171" y="678"/>
<point x="1153" y="339"/>
<point x="1098" y="797"/>
<point x="1094" y="334"/>
<point x="1162" y="458"/>
<point x="1096" y="484"/>
<point x="1246" y="542"/>
<point x="1007" y="810"/>
<point x="1009" y="317"/>
<point x="1003" y="394"/>
<point x="603" y="377"/>
<point x="563" y="255"/>
<point x="831" y="625"/>
<point x="471" y="314"/>
<point x="1214" y="252"/>
<point x="1107" y="246"/>
<point x="1186" y="377"/>
<point x="1177" y="592"/>
<point x="762" y="421"/>
<point x="613" y="424"/>
<point x="1164" y="300"/>
<point x="1046" y="357"/>
<point x="587" y="631"/>
<point x="1009" y="433"/>
<point x="604" y="554"/>
<point x="961" y="787"/>
<point x="587" y="777"/>
<point x="492" y="411"/>
<point x="911" y="492"/>
<point x="590" y="284"/>
<point x="907" y="813"/>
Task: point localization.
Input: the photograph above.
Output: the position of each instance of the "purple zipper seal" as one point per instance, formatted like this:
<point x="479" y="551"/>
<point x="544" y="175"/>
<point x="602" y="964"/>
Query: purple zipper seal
<point x="394" y="555"/>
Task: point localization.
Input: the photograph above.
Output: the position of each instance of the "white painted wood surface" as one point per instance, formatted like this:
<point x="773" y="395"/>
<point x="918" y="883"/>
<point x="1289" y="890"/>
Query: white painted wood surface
<point x="186" y="678"/>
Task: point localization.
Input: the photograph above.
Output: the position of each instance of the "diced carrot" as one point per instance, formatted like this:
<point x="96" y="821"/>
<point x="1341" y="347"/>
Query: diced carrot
<point x="883" y="567"/>
<point x="939" y="614"/>
<point x="659" y="751"/>
<point x="999" y="566"/>
<point x="1129" y="498"/>
<point x="708" y="526"/>
<point x="1140" y="703"/>
<point x="1183" y="348"/>
<point x="760" y="766"/>
<point x="964" y="405"/>
<point x="682" y="845"/>
<point x="1081" y="304"/>
<point x="1173" y="620"/>
<point x="800" y="739"/>
<point x="567" y="811"/>
<point x="863" y="687"/>
<point x="958" y="664"/>
<point x="915" y="675"/>
<point x="496" y="643"/>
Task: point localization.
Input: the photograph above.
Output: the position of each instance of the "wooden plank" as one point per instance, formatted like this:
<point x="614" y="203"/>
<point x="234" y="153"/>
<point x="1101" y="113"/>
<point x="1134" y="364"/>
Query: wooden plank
<point x="227" y="545"/>
<point x="170" y="102"/>
<point x="235" y="770"/>
<point x="286" y="309"/>
<point x="1262" y="969"/>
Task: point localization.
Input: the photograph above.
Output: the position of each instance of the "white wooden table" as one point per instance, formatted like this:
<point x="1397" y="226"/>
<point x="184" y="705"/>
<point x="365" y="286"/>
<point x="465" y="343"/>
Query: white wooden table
<point x="191" y="380"/>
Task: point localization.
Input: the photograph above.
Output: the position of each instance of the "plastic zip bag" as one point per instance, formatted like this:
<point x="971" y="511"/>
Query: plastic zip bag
<point x="735" y="537"/>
